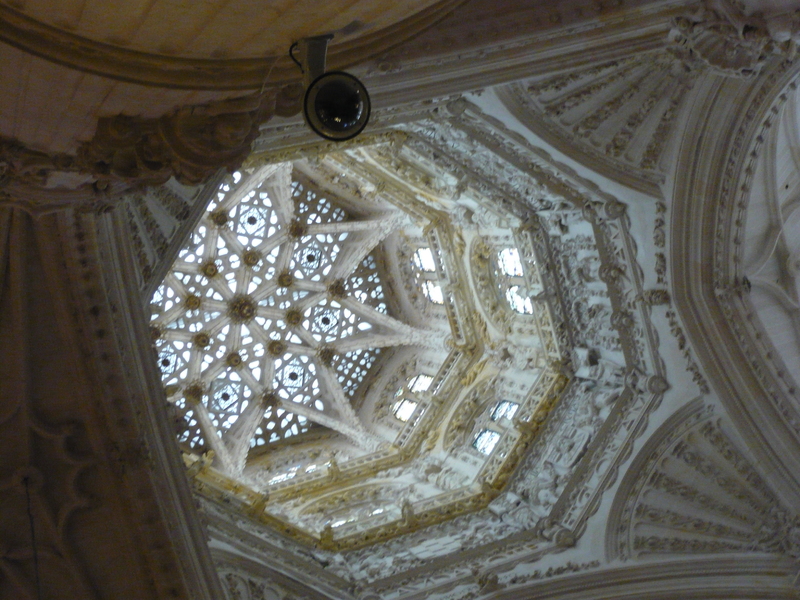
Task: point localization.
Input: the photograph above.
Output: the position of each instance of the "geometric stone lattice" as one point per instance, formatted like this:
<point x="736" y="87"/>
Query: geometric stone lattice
<point x="271" y="316"/>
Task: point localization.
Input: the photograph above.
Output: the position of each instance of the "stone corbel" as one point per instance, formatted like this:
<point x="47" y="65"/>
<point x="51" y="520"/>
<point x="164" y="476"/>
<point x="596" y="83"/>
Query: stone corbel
<point x="191" y="143"/>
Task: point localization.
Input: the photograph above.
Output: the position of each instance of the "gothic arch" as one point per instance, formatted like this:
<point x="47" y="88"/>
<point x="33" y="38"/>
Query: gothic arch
<point x="710" y="203"/>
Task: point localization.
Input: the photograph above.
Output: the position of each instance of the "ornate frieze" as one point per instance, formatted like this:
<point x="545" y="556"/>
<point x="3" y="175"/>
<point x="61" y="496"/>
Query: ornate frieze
<point x="40" y="183"/>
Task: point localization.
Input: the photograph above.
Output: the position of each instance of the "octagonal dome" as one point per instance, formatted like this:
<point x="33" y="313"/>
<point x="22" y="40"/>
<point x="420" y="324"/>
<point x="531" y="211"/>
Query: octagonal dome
<point x="352" y="348"/>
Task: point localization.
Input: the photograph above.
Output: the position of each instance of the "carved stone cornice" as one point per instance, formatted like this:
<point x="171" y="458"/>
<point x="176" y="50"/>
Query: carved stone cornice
<point x="479" y="46"/>
<point x="58" y="45"/>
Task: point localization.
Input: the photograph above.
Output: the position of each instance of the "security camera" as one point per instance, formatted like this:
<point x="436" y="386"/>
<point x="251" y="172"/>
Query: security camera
<point x="336" y="105"/>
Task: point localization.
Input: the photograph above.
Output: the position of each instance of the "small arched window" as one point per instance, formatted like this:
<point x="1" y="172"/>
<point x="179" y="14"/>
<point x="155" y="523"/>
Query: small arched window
<point x="406" y="403"/>
<point x="425" y="271"/>
<point x="510" y="278"/>
<point x="510" y="263"/>
<point x="504" y="409"/>
<point x="485" y="441"/>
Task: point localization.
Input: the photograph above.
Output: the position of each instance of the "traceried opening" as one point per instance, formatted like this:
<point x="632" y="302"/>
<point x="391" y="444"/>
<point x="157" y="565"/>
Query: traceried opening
<point x="519" y="302"/>
<point x="504" y="409"/>
<point x="423" y="259"/>
<point x="433" y="292"/>
<point x="270" y="318"/>
<point x="485" y="441"/>
<point x="420" y="383"/>
<point x="425" y="270"/>
<point x="510" y="263"/>
<point x="404" y="408"/>
<point x="510" y="277"/>
<point x="406" y="400"/>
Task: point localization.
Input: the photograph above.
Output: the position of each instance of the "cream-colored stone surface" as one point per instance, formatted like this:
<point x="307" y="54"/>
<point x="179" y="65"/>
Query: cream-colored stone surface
<point x="216" y="28"/>
<point x="668" y="468"/>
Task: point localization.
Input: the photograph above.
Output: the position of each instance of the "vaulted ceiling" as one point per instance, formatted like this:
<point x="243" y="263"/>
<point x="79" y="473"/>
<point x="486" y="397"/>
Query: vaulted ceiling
<point x="641" y="157"/>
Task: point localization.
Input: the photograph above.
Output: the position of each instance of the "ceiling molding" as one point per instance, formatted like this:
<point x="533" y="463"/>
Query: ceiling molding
<point x="508" y="174"/>
<point x="162" y="71"/>
<point x="441" y="62"/>
<point x="742" y="576"/>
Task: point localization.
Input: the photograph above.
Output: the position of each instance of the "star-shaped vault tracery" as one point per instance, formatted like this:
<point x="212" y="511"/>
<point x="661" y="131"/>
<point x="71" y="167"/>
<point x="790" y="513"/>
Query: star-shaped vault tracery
<point x="272" y="314"/>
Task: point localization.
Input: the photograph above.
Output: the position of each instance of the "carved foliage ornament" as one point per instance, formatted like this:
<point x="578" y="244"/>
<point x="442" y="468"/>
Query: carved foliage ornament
<point x="731" y="42"/>
<point x="191" y="144"/>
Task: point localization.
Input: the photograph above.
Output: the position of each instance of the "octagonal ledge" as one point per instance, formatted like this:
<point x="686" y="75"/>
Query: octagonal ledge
<point x="479" y="376"/>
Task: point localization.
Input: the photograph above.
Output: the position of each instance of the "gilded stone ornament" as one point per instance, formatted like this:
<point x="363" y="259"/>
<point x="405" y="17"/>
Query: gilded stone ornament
<point x="337" y="289"/>
<point x="251" y="258"/>
<point x="276" y="348"/>
<point x="193" y="302"/>
<point x="209" y="269"/>
<point x="233" y="360"/>
<point x="270" y="399"/>
<point x="285" y="279"/>
<point x="326" y="354"/>
<point x="194" y="392"/>
<point x="297" y="228"/>
<point x="219" y="218"/>
<point x="294" y="316"/>
<point x="242" y="309"/>
<point x="202" y="339"/>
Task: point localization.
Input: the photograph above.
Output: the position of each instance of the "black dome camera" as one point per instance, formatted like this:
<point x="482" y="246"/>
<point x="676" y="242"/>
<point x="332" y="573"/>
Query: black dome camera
<point x="336" y="104"/>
